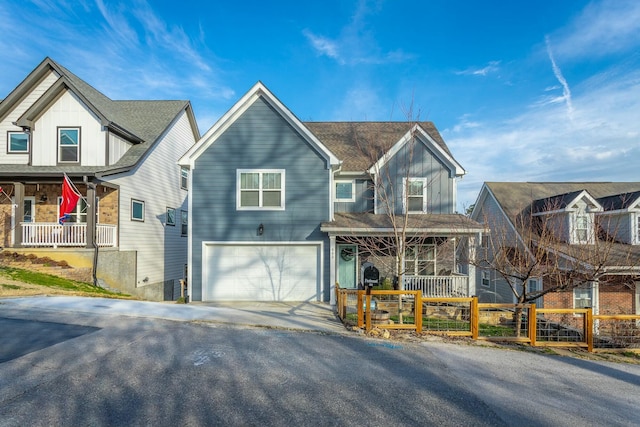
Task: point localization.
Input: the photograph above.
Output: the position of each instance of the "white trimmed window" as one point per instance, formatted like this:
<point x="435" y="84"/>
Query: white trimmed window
<point x="345" y="190"/>
<point x="79" y="214"/>
<point x="582" y="228"/>
<point x="184" y="222"/>
<point x="17" y="142"/>
<point x="638" y="229"/>
<point x="415" y="195"/>
<point x="184" y="178"/>
<point x="420" y="260"/>
<point x="486" y="278"/>
<point x="583" y="297"/>
<point x="68" y="145"/>
<point x="137" y="210"/>
<point x="260" y="189"/>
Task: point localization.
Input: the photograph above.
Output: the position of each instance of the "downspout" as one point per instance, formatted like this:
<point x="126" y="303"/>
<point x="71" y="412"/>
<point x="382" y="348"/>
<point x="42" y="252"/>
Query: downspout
<point x="93" y="208"/>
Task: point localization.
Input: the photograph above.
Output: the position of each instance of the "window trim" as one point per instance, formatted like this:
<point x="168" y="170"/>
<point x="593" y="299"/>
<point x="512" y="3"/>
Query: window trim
<point x="184" y="178"/>
<point x="184" y="223"/>
<point x="171" y="223"/>
<point x="353" y="190"/>
<point x="485" y="275"/>
<point x="260" y="206"/>
<point x="141" y="202"/>
<point x="59" y="154"/>
<point x="589" y="288"/>
<point x="405" y="196"/>
<point x="13" y="132"/>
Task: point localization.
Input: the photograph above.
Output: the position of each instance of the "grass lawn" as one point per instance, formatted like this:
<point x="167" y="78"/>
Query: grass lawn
<point x="19" y="282"/>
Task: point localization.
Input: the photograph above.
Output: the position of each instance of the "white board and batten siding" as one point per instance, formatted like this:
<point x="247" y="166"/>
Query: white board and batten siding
<point x="117" y="148"/>
<point x="161" y="249"/>
<point x="69" y="111"/>
<point x="262" y="271"/>
<point x="7" y="124"/>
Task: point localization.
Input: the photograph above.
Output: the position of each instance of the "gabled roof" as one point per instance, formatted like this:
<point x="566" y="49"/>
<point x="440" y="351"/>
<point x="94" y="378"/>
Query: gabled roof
<point x="361" y="144"/>
<point x="258" y="91"/>
<point x="517" y="198"/>
<point x="139" y="122"/>
<point x="563" y="202"/>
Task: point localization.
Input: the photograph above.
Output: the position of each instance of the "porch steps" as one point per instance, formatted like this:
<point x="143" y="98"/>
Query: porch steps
<point x="45" y="265"/>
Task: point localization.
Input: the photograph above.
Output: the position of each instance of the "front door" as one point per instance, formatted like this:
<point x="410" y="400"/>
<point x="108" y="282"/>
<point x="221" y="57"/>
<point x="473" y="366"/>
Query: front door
<point x="347" y="261"/>
<point x="29" y="214"/>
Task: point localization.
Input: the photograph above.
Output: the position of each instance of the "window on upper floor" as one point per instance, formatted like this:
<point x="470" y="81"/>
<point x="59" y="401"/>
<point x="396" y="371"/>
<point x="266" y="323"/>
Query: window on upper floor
<point x="137" y="210"/>
<point x="17" y="142"/>
<point x="68" y="145"/>
<point x="638" y="228"/>
<point x="184" y="178"/>
<point x="582" y="228"/>
<point x="415" y="195"/>
<point x="486" y="278"/>
<point x="420" y="260"/>
<point x="345" y="191"/>
<point x="261" y="189"/>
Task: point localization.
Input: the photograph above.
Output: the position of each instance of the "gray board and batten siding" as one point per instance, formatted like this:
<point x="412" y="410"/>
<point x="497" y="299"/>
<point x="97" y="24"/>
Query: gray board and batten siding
<point x="422" y="163"/>
<point x="259" y="139"/>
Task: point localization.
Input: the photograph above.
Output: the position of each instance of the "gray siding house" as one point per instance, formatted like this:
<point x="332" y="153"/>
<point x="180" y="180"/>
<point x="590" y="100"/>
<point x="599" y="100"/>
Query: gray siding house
<point x="277" y="207"/>
<point x="592" y="224"/>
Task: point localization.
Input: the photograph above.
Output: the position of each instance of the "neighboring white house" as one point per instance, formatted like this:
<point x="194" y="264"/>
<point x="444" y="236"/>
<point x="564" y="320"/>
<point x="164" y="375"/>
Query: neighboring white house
<point x="121" y="155"/>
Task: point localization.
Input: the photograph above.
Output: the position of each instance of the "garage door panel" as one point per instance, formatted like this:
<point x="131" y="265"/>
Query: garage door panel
<point x="261" y="272"/>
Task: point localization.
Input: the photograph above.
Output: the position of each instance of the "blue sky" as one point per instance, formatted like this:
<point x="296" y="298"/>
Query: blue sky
<point x="521" y="91"/>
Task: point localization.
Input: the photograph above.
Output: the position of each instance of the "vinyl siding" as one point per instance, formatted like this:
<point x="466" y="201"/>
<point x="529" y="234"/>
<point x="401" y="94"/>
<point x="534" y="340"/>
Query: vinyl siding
<point x="7" y="123"/>
<point x="161" y="250"/>
<point x="364" y="198"/>
<point x="421" y="163"/>
<point x="490" y="214"/>
<point x="117" y="148"/>
<point x="259" y="139"/>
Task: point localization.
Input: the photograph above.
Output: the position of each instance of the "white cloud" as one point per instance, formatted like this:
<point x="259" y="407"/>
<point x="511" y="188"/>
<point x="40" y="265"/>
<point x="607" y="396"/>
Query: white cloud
<point x="323" y="45"/>
<point x="490" y="68"/>
<point x="566" y="92"/>
<point x="603" y="28"/>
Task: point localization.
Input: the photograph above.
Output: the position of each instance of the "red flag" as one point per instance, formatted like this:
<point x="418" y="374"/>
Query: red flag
<point x="70" y="198"/>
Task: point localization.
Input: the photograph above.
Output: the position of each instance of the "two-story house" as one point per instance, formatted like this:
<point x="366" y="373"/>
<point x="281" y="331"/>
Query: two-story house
<point x="281" y="210"/>
<point x="585" y="232"/>
<point x="129" y="226"/>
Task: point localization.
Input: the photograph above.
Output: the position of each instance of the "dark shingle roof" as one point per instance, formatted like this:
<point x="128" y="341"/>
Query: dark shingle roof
<point x="619" y="201"/>
<point x="360" y="144"/>
<point x="142" y="122"/>
<point x="351" y="223"/>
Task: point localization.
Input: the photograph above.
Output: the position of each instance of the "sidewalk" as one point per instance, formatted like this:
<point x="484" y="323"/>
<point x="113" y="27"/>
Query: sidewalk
<point x="286" y="315"/>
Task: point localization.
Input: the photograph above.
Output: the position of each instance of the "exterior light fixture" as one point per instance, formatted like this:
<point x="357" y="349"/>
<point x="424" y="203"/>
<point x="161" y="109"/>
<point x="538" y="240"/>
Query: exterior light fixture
<point x="260" y="230"/>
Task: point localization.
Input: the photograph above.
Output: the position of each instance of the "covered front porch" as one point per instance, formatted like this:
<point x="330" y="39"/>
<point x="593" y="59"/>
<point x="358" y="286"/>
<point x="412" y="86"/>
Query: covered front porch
<point x="30" y="209"/>
<point x="424" y="254"/>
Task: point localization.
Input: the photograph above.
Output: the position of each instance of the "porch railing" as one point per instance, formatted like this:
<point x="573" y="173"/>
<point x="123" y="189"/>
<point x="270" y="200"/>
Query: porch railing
<point x="52" y="234"/>
<point x="438" y="286"/>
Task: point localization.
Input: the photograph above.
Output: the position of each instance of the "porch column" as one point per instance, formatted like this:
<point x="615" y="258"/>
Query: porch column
<point x="91" y="215"/>
<point x="332" y="270"/>
<point x="18" y="189"/>
<point x="473" y="241"/>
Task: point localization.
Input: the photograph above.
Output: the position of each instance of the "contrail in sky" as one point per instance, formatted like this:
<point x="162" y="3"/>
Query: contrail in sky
<point x="566" y="92"/>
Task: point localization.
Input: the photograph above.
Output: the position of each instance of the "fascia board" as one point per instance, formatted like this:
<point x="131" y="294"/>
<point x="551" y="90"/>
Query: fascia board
<point x="439" y="152"/>
<point x="257" y="91"/>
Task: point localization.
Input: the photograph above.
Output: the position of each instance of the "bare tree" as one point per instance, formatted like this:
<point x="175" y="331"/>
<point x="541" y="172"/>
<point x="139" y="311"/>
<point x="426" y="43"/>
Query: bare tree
<point x="536" y="246"/>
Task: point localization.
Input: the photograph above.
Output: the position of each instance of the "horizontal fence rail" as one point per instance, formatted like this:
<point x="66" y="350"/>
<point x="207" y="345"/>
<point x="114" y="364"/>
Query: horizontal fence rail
<point x="524" y="323"/>
<point x="52" y="234"/>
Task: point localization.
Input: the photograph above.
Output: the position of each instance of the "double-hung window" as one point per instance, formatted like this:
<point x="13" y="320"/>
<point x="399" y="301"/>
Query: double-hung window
<point x="415" y="195"/>
<point x="184" y="178"/>
<point x="261" y="189"/>
<point x="638" y="228"/>
<point x="17" y="142"/>
<point x="68" y="145"/>
<point x="79" y="214"/>
<point x="583" y="297"/>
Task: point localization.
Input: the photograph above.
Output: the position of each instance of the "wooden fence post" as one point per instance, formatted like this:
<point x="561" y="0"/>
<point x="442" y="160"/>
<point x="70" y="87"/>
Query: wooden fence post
<point x="475" y="318"/>
<point x="533" y="324"/>
<point x="417" y="308"/>
<point x="588" y="329"/>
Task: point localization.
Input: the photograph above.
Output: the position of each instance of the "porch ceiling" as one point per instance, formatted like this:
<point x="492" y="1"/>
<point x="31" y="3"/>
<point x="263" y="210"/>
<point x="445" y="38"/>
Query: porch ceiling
<point x="381" y="224"/>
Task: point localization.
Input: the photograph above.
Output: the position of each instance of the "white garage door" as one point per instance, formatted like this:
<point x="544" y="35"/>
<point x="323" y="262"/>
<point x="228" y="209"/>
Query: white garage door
<point x="264" y="272"/>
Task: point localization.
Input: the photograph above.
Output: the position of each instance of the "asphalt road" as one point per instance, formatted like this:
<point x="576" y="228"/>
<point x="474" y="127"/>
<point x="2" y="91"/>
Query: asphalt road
<point x="118" y="370"/>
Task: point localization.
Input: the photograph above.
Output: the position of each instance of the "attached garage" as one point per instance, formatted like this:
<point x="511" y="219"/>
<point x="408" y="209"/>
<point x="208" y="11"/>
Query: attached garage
<point x="261" y="272"/>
